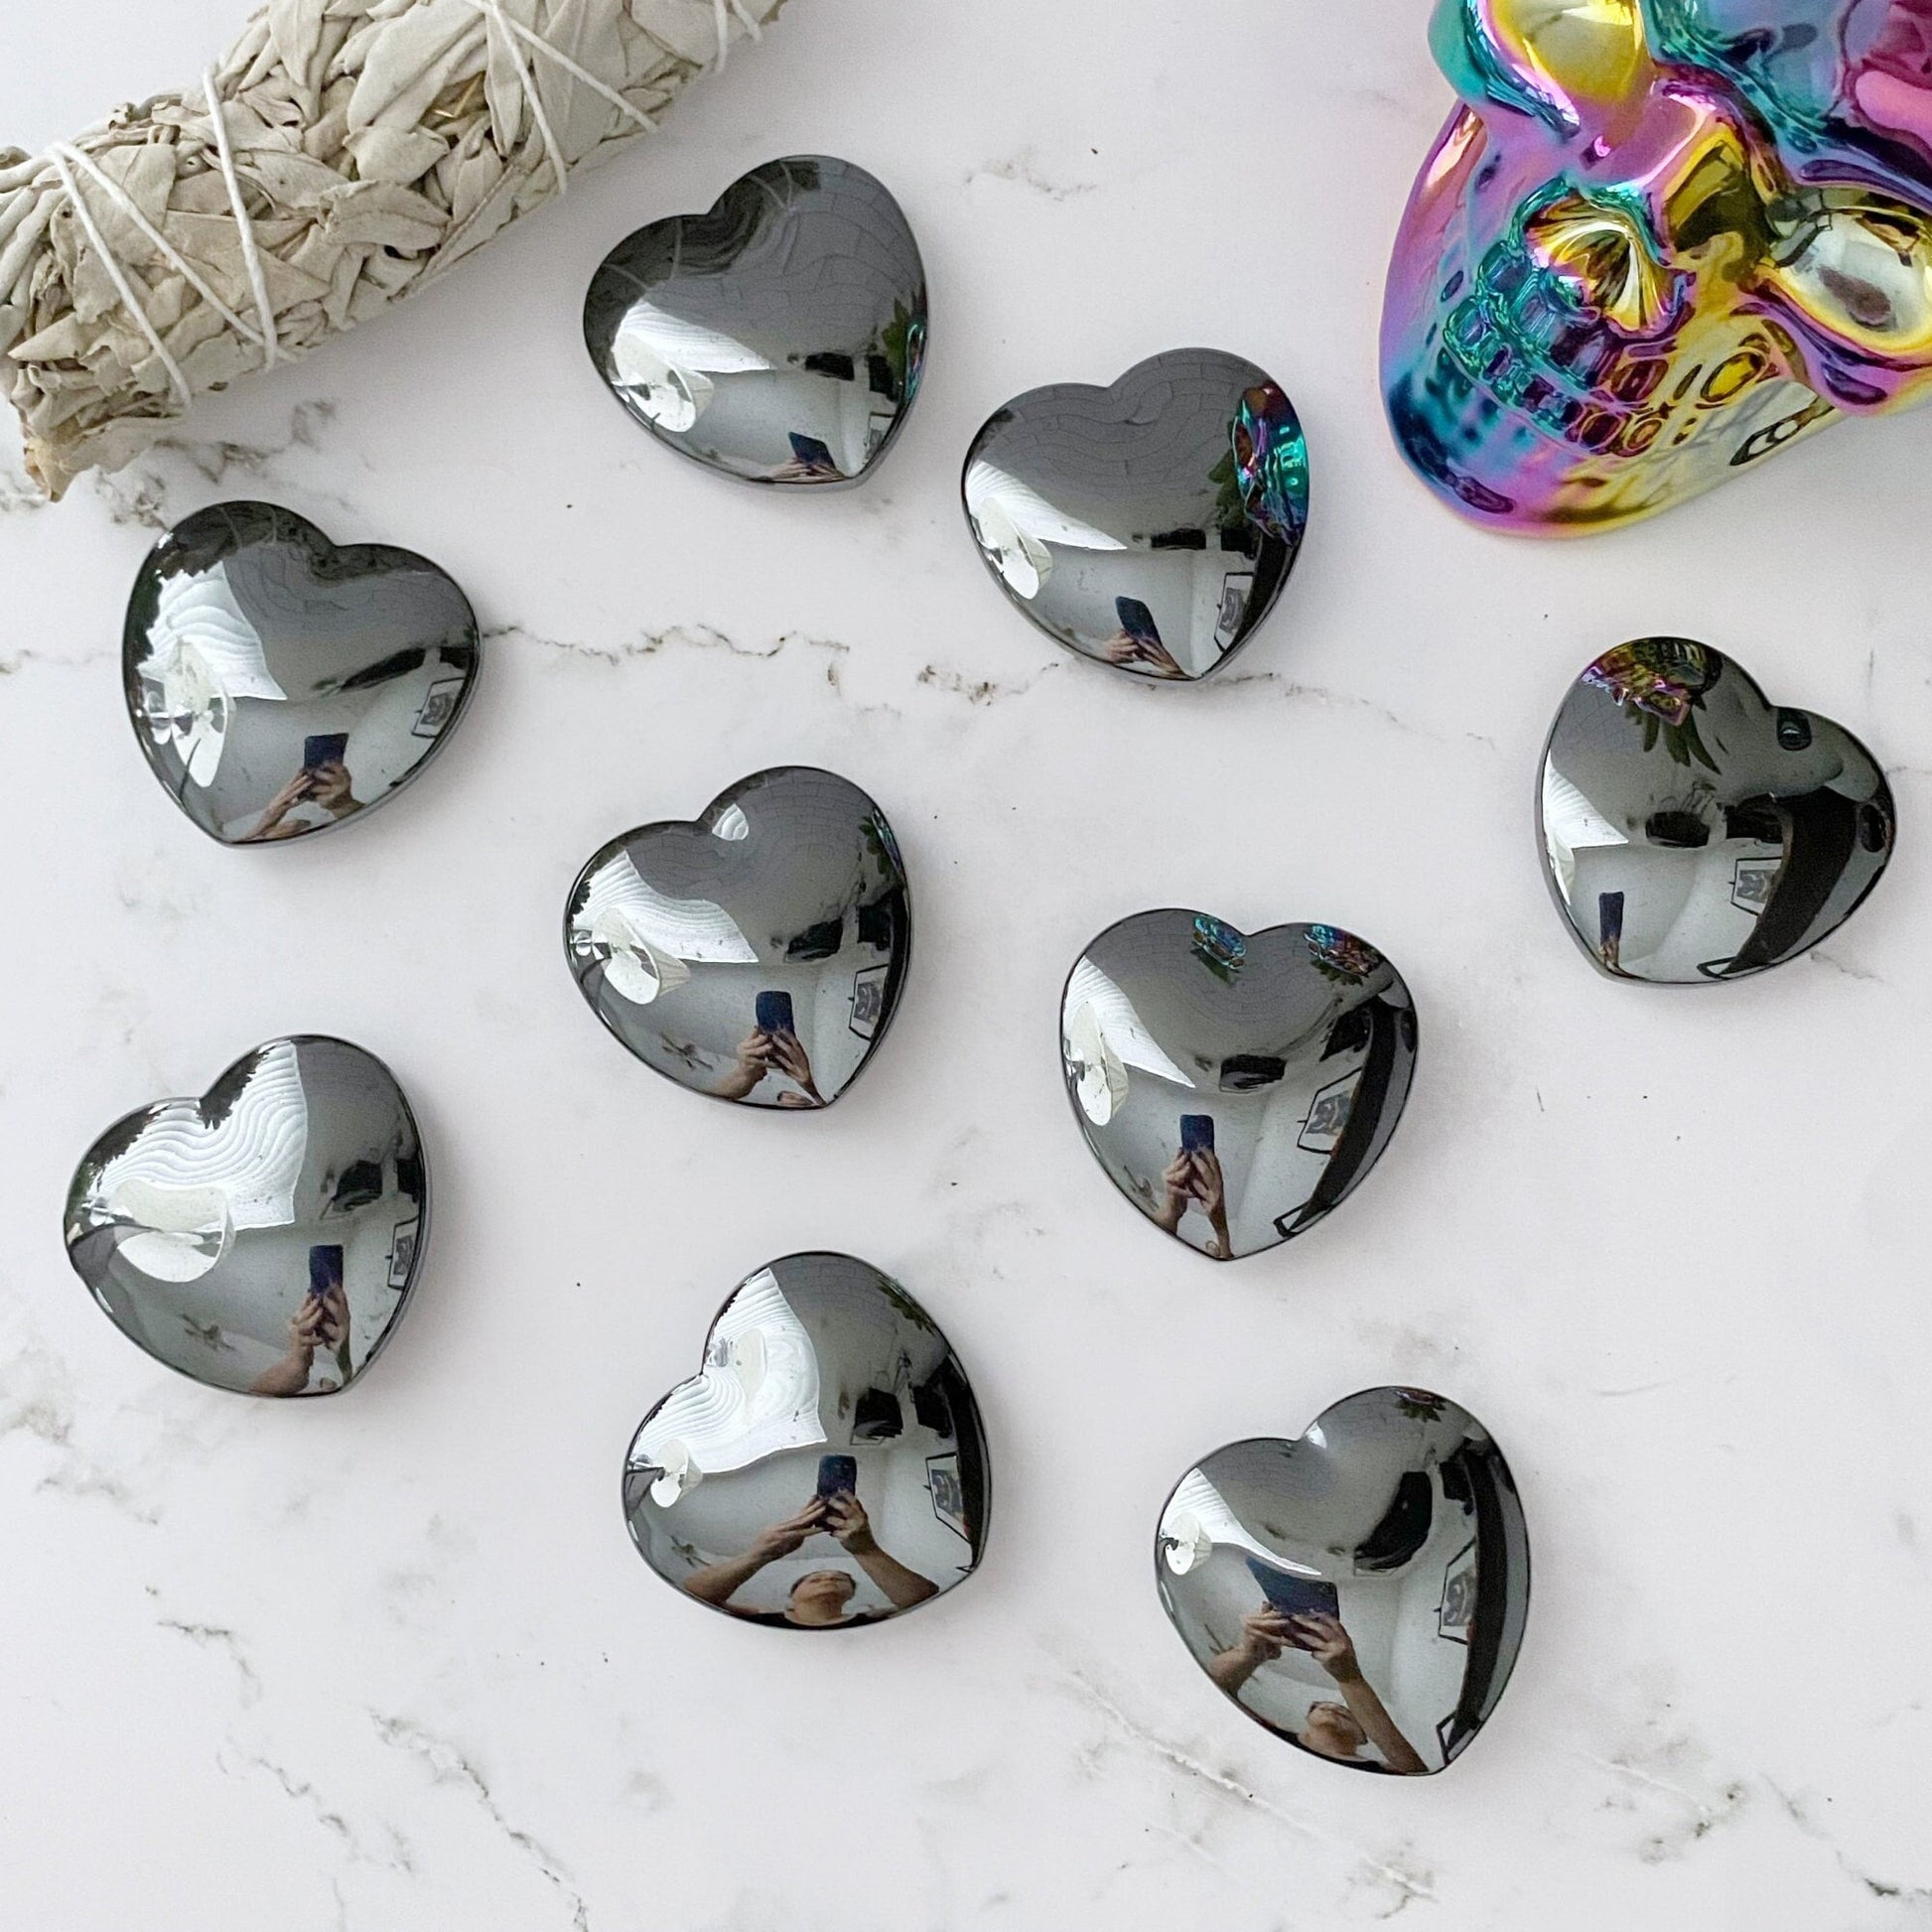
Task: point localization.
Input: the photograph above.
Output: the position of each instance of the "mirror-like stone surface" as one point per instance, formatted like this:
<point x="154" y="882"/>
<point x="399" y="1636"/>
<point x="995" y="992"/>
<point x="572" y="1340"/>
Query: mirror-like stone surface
<point x="756" y="956"/>
<point x="264" y="1238"/>
<point x="1691" y="829"/>
<point x="279" y="683"/>
<point x="1361" y="1590"/>
<point x="1235" y="1086"/>
<point x="826" y="1468"/>
<point x="1150" y="525"/>
<point x="780" y="336"/>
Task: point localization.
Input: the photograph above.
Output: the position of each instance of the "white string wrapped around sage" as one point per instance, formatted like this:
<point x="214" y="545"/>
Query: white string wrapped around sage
<point x="339" y="155"/>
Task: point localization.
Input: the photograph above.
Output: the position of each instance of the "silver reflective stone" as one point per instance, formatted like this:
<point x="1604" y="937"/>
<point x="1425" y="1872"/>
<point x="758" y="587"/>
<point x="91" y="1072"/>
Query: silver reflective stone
<point x="1691" y="830"/>
<point x="1151" y="525"/>
<point x="1235" y="1086"/>
<point x="264" y="1238"/>
<point x="826" y="1468"/>
<point x="1360" y="1591"/>
<point x="780" y="336"/>
<point x="280" y="684"/>
<point x="756" y="956"/>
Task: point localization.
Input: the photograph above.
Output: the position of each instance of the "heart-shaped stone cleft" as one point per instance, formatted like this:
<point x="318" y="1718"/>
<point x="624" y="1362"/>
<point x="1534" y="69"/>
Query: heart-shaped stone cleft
<point x="1360" y="1591"/>
<point x="1235" y="1086"/>
<point x="1691" y="830"/>
<point x="826" y="1468"/>
<point x="266" y="1237"/>
<point x="756" y="956"/>
<point x="280" y="684"/>
<point x="1151" y="525"/>
<point x="779" y="337"/>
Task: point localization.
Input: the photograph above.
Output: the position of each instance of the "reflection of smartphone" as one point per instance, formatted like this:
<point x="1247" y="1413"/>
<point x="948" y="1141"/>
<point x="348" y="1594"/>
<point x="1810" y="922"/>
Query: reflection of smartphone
<point x="774" y="1011"/>
<point x="1609" y="919"/>
<point x="811" y="453"/>
<point x="1137" y="621"/>
<point x="1197" y="1133"/>
<point x="1294" y="1595"/>
<point x="838" y="1476"/>
<point x="324" y="1268"/>
<point x="324" y="747"/>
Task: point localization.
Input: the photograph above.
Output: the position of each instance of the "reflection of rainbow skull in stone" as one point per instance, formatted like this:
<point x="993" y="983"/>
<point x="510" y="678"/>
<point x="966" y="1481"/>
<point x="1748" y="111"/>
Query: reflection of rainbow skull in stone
<point x="1658" y="240"/>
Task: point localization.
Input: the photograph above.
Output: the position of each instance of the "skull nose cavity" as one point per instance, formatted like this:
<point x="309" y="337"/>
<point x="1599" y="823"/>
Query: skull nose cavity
<point x="1601" y="255"/>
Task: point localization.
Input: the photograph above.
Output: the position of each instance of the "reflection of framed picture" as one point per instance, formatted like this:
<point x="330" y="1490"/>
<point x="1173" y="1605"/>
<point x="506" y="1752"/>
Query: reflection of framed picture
<point x="867" y="999"/>
<point x="1448" y="1738"/>
<point x="439" y="707"/>
<point x="1327" y="1116"/>
<point x="1236" y="588"/>
<point x="1459" y="1607"/>
<point x="402" y="1251"/>
<point x="948" y="1496"/>
<point x="1752" y="881"/>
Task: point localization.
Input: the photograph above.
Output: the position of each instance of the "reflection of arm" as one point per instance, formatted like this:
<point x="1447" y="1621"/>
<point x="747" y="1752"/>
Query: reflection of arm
<point x="1263" y="1633"/>
<point x="753" y="1062"/>
<point x="320" y="1323"/>
<point x="1334" y="1650"/>
<point x="903" y="1587"/>
<point x="717" y="1582"/>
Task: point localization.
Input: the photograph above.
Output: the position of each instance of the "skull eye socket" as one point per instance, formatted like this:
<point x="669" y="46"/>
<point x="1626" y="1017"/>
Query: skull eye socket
<point x="1860" y="266"/>
<point x="1587" y="50"/>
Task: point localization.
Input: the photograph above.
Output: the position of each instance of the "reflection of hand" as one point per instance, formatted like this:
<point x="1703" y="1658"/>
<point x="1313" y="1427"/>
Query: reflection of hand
<point x="789" y="1056"/>
<point x="752" y="1065"/>
<point x="328" y="788"/>
<point x="781" y="1539"/>
<point x="1179" y="1179"/>
<point x="1324" y="1638"/>
<point x="1266" y="1634"/>
<point x="1211" y="1189"/>
<point x="846" y="1518"/>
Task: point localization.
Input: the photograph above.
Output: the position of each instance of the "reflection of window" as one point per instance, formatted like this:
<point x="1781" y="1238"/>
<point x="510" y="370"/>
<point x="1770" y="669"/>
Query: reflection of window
<point x="202" y="657"/>
<point x="1015" y="524"/>
<point x="191" y="1186"/>
<point x="1197" y="1521"/>
<point x="644" y="937"/>
<point x="756" y="1394"/>
<point x="666" y="364"/>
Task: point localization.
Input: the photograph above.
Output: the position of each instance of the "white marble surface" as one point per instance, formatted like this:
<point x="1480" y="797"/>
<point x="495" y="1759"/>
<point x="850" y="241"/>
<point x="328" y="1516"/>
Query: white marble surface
<point x="390" y="1661"/>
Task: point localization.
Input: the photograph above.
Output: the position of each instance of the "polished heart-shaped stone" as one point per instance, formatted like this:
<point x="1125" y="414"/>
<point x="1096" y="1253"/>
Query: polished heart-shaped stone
<point x="1235" y="1086"/>
<point x="1360" y="1591"/>
<point x="756" y="955"/>
<point x="826" y="1468"/>
<point x="1691" y="829"/>
<point x="279" y="683"/>
<point x="780" y="336"/>
<point x="1151" y="525"/>
<point x="266" y="1237"/>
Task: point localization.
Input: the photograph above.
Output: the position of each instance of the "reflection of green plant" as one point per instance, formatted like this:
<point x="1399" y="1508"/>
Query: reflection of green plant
<point x="880" y="843"/>
<point x="903" y="343"/>
<point x="1220" y="948"/>
<point x="1419" y="1405"/>
<point x="1660" y="682"/>
<point x="1340" y="957"/>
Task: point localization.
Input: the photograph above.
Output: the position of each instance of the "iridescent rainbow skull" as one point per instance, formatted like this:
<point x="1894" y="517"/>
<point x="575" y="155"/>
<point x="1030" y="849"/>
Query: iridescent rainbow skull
<point x="1658" y="240"/>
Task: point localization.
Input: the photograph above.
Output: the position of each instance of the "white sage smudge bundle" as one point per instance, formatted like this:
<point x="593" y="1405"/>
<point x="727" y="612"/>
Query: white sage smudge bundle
<point x="343" y="153"/>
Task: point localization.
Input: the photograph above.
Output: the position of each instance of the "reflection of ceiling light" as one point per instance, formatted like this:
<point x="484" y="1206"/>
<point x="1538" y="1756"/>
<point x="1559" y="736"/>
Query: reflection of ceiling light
<point x="650" y="933"/>
<point x="756" y="1394"/>
<point x="192" y="1187"/>
<point x="1197" y="1521"/>
<point x="202" y="655"/>
<point x="1118" y="1028"/>
<point x="731" y="824"/>
<point x="1101" y="1084"/>
<point x="1026" y="509"/>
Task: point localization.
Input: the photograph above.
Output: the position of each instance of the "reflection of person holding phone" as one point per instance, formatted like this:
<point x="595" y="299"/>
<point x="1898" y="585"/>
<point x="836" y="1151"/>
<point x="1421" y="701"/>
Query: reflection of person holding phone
<point x="321" y="1323"/>
<point x="1194" y="1176"/>
<point x="774" y="1047"/>
<point x="1331" y="1729"/>
<point x="1138" y="643"/>
<point x="323" y="781"/>
<point x="822" y="1598"/>
<point x="811" y="462"/>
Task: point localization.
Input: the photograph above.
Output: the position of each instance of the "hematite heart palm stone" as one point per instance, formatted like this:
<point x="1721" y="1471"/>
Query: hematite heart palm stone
<point x="280" y="684"/>
<point x="266" y="1237"/>
<point x="826" y="1468"/>
<point x="1150" y="525"/>
<point x="1361" y="1590"/>
<point x="756" y="956"/>
<point x="779" y="337"/>
<point x="1235" y="1086"/>
<point x="1691" y="829"/>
